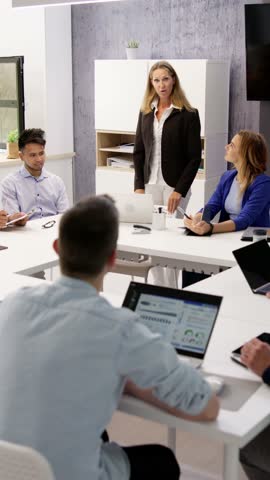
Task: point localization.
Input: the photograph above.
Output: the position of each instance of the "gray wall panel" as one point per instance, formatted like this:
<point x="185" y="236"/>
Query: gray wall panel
<point x="166" y="29"/>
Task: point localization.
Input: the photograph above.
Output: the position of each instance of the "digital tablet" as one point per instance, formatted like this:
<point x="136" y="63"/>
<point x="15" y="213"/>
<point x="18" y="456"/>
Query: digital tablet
<point x="236" y="354"/>
<point x="29" y="214"/>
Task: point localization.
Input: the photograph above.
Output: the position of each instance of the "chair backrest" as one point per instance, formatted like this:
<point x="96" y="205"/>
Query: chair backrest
<point x="22" y="463"/>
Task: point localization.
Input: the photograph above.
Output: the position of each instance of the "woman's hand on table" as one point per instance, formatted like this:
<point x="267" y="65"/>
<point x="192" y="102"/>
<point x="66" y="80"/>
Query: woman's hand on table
<point x="199" y="227"/>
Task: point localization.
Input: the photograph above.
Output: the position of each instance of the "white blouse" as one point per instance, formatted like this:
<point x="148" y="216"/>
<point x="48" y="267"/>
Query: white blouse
<point x="156" y="176"/>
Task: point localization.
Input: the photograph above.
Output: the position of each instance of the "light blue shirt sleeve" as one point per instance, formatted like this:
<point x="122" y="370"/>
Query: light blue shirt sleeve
<point x="9" y="199"/>
<point x="152" y="363"/>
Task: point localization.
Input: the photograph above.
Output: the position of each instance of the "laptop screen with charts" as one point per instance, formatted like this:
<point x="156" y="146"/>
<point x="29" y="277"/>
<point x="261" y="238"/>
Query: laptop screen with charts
<point x="134" y="207"/>
<point x="185" y="319"/>
<point x="254" y="261"/>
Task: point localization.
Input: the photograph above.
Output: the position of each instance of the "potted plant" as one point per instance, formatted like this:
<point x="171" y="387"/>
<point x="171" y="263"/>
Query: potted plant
<point x="132" y="49"/>
<point x="12" y="144"/>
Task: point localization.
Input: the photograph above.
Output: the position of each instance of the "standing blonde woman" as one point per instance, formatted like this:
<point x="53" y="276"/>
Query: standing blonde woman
<point x="167" y="151"/>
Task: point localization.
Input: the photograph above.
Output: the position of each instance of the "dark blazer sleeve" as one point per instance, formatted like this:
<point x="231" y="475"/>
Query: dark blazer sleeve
<point x="193" y="151"/>
<point x="139" y="156"/>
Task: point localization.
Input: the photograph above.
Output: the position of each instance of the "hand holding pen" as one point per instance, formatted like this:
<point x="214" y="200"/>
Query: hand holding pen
<point x="181" y="210"/>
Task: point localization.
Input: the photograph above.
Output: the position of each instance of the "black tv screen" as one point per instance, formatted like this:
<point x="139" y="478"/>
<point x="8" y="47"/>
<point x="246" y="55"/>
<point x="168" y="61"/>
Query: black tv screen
<point x="257" y="23"/>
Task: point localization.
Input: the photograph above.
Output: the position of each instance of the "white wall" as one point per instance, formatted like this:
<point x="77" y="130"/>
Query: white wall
<point x="58" y="72"/>
<point x="22" y="32"/>
<point x="43" y="36"/>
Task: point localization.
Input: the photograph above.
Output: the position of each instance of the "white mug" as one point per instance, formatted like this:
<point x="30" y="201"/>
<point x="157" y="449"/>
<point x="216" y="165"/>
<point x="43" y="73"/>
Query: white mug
<point x="159" y="220"/>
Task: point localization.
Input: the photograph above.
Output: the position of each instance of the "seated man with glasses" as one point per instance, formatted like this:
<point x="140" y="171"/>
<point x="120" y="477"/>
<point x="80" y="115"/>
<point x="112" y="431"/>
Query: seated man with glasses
<point x="33" y="187"/>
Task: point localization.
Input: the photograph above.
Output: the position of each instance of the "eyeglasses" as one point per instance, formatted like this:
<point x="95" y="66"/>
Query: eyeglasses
<point x="49" y="224"/>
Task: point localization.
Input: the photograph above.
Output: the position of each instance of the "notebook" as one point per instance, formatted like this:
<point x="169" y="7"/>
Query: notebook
<point x="184" y="319"/>
<point x="206" y="216"/>
<point x="254" y="261"/>
<point x="134" y="207"/>
<point x="247" y="235"/>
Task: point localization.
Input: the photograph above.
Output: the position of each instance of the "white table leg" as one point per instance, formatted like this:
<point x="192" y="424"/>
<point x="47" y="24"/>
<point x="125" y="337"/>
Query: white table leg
<point x="176" y="273"/>
<point x="172" y="439"/>
<point x="230" y="462"/>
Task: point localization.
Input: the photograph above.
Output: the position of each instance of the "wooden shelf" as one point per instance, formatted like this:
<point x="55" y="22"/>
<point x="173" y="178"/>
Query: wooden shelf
<point x="116" y="150"/>
<point x="110" y="142"/>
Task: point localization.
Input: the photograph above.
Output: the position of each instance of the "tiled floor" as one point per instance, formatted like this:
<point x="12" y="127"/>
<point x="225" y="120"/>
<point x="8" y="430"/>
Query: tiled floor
<point x="199" y="458"/>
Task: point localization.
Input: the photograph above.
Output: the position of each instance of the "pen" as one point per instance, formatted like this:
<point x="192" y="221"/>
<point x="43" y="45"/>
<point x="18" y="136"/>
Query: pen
<point x="181" y="210"/>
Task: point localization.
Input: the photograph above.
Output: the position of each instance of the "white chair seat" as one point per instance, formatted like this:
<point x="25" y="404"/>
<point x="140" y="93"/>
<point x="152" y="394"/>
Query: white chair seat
<point x="22" y="463"/>
<point x="138" y="268"/>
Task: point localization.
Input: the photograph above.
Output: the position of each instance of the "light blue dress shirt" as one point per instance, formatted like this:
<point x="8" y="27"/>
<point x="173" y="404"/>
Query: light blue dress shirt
<point x="65" y="354"/>
<point x="21" y="192"/>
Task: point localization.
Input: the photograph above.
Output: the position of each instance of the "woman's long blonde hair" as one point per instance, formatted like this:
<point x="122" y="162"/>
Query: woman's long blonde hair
<point x="178" y="96"/>
<point x="254" y="153"/>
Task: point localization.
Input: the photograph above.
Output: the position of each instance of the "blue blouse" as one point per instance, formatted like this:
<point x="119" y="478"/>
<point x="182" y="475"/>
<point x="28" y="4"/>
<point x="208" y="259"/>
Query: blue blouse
<point x="255" y="204"/>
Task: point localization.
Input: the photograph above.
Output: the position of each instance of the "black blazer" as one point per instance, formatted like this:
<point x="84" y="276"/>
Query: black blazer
<point x="180" y="149"/>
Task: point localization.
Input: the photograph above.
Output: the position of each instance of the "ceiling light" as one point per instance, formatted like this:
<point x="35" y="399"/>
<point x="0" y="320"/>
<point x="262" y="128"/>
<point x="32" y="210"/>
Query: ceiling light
<point x="54" y="3"/>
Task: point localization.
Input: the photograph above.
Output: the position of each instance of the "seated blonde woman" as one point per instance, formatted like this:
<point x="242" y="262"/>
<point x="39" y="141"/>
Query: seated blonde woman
<point x="242" y="196"/>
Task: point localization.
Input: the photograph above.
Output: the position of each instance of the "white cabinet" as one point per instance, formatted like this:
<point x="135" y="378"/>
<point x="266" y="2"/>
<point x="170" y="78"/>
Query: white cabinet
<point x="206" y="84"/>
<point x="119" y="89"/>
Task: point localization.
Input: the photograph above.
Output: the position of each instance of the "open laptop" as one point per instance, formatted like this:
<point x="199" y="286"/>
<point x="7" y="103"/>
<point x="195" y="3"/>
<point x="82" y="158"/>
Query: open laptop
<point x="185" y="319"/>
<point x="134" y="207"/>
<point x="254" y="261"/>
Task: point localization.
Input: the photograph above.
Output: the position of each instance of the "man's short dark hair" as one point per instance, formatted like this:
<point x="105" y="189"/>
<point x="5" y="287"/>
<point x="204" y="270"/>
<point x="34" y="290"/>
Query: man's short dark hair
<point x="31" y="135"/>
<point x="88" y="236"/>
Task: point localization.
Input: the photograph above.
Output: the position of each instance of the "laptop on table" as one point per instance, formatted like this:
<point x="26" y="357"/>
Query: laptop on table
<point x="254" y="261"/>
<point x="134" y="207"/>
<point x="184" y="319"/>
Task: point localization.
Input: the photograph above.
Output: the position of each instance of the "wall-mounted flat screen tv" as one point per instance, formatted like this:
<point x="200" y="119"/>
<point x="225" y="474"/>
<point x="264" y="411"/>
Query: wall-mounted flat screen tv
<point x="257" y="28"/>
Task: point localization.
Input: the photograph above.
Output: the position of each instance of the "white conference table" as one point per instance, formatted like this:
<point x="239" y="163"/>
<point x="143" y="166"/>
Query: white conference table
<point x="171" y="247"/>
<point x="236" y="323"/>
<point x="242" y="316"/>
<point x="29" y="247"/>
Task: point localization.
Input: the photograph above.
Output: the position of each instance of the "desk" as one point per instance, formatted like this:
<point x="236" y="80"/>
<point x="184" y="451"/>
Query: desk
<point x="29" y="248"/>
<point x="234" y="428"/>
<point x="242" y="316"/>
<point x="171" y="247"/>
<point x="239" y="301"/>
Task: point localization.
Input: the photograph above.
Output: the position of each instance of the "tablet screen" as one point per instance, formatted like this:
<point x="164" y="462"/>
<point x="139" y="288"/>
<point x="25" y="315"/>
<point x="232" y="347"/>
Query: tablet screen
<point x="236" y="354"/>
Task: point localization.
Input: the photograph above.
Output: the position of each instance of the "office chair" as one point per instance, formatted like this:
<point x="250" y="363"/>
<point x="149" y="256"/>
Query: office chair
<point x="135" y="266"/>
<point x="22" y="463"/>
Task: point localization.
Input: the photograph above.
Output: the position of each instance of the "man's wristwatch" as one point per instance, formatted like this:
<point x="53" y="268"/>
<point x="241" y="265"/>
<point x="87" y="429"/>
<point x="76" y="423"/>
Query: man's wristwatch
<point x="211" y="225"/>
